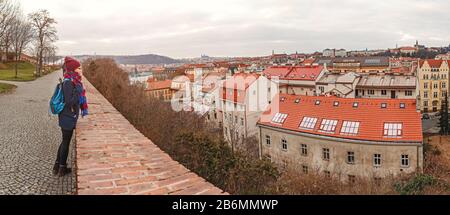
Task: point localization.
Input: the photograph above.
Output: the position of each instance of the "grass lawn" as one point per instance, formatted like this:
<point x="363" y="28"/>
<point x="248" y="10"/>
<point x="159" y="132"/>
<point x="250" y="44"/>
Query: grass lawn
<point x="5" y="88"/>
<point x="25" y="72"/>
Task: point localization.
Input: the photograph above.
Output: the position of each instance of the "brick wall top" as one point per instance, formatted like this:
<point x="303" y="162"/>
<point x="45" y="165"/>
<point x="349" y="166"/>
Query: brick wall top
<point x="115" y="158"/>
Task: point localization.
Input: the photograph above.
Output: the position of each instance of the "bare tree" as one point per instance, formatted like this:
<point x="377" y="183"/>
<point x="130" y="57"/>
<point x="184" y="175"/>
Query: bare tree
<point x="8" y="13"/>
<point x="44" y="27"/>
<point x="21" y="38"/>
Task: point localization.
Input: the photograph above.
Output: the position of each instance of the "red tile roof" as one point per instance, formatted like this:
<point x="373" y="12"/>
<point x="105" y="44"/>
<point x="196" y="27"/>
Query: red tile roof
<point x="408" y="48"/>
<point x="159" y="85"/>
<point x="308" y="61"/>
<point x="369" y="113"/>
<point x="433" y="63"/>
<point x="279" y="71"/>
<point x="308" y="73"/>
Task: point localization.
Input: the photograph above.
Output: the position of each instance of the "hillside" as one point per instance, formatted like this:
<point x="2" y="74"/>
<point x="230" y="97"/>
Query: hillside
<point x="136" y="59"/>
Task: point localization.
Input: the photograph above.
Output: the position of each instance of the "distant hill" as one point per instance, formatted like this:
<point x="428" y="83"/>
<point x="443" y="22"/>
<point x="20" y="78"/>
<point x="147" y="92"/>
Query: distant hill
<point x="135" y="59"/>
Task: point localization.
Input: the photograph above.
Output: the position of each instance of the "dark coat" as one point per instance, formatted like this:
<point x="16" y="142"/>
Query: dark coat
<point x="69" y="116"/>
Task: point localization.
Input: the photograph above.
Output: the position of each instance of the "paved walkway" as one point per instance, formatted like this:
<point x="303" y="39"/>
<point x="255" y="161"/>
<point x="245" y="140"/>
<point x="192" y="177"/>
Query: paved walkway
<point x="29" y="140"/>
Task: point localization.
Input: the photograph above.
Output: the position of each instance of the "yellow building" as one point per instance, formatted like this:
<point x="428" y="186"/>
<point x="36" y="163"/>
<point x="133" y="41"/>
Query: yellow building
<point x="434" y="84"/>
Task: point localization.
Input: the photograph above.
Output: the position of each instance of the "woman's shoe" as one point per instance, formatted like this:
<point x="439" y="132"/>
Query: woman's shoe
<point x="55" y="169"/>
<point x="63" y="170"/>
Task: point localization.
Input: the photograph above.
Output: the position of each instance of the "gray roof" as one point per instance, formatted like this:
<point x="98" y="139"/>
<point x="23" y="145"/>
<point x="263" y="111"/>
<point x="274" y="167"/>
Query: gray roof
<point x="388" y="81"/>
<point x="364" y="61"/>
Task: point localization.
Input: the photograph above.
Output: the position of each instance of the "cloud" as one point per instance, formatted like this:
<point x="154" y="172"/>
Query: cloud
<point x="246" y="28"/>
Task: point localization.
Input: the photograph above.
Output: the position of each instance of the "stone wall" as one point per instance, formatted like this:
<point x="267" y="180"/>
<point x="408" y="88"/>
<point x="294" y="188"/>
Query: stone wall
<point x="113" y="157"/>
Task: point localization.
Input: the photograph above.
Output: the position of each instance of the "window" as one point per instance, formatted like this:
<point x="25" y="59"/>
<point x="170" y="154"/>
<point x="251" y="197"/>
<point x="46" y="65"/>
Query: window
<point x="326" y="154"/>
<point x="402" y="105"/>
<point x="308" y="123"/>
<point x="235" y="119"/>
<point x="351" y="179"/>
<point x="328" y="125"/>
<point x="215" y="115"/>
<point x="435" y="94"/>
<point x="327" y="174"/>
<point x="268" y="141"/>
<point x="237" y="135"/>
<point x="336" y="104"/>
<point x="377" y="160"/>
<point x="305" y="169"/>
<point x="383" y="92"/>
<point x="371" y="92"/>
<point x="405" y="160"/>
<point x="383" y="105"/>
<point x="425" y="103"/>
<point x="425" y="85"/>
<point x="242" y="121"/>
<point x="408" y="93"/>
<point x="350" y="128"/>
<point x="435" y="85"/>
<point x="351" y="157"/>
<point x="284" y="145"/>
<point x="355" y="104"/>
<point x="279" y="118"/>
<point x="444" y="85"/>
<point x="297" y="101"/>
<point x="392" y="129"/>
<point x="322" y="89"/>
<point x="304" y="148"/>
<point x="425" y="94"/>
<point x="282" y="98"/>
<point x="317" y="102"/>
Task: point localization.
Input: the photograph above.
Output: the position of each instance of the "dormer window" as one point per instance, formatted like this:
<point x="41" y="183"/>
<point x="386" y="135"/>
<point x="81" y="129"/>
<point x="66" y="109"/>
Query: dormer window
<point x="355" y="104"/>
<point x="336" y="104"/>
<point x="283" y="99"/>
<point x="317" y="102"/>
<point x="279" y="118"/>
<point x="402" y="105"/>
<point x="328" y="125"/>
<point x="393" y="130"/>
<point x="297" y="101"/>
<point x="383" y="105"/>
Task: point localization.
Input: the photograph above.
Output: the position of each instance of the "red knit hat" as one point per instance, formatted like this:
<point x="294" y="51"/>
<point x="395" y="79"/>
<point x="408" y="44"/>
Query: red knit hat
<point x="71" y="64"/>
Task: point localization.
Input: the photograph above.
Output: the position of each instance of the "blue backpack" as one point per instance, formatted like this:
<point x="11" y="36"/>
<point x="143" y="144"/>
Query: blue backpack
<point x="57" y="100"/>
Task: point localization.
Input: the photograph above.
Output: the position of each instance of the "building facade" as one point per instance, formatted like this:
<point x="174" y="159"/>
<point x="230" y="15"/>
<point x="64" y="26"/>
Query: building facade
<point x="434" y="84"/>
<point x="344" y="138"/>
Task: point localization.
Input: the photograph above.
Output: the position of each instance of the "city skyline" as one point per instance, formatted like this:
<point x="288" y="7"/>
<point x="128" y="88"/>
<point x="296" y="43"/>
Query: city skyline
<point x="233" y="28"/>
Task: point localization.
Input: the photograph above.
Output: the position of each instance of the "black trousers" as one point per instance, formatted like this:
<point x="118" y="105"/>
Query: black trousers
<point x="63" y="151"/>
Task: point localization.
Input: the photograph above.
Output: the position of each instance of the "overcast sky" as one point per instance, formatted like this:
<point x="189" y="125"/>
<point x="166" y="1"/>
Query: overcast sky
<point x="189" y="28"/>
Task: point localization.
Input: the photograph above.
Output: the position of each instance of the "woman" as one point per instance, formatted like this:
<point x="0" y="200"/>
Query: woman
<point x="74" y="100"/>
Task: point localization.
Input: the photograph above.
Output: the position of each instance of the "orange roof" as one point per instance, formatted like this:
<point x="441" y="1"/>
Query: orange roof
<point x="368" y="113"/>
<point x="433" y="63"/>
<point x="308" y="61"/>
<point x="238" y="82"/>
<point x="279" y="71"/>
<point x="159" y="85"/>
<point x="403" y="69"/>
<point x="309" y="73"/>
<point x="407" y="48"/>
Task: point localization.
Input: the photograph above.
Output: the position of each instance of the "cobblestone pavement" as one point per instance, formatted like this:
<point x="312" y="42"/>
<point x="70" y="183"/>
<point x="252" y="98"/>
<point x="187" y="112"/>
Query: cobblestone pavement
<point x="29" y="140"/>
